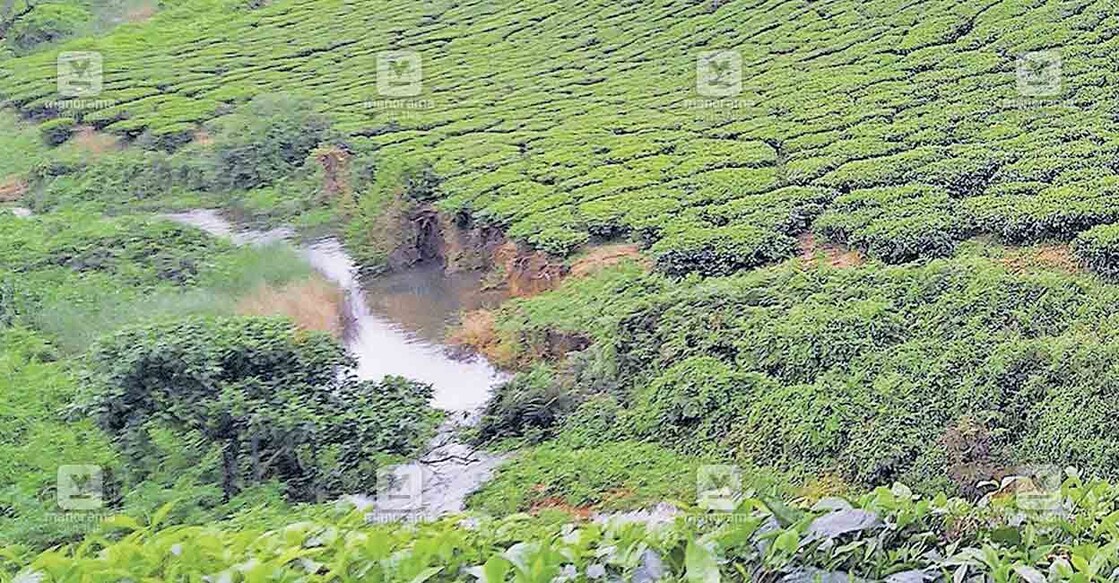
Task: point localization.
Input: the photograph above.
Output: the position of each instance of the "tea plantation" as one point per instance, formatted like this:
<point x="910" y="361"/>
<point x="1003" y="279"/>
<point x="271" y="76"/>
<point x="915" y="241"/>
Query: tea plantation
<point x="899" y="128"/>
<point x="865" y="252"/>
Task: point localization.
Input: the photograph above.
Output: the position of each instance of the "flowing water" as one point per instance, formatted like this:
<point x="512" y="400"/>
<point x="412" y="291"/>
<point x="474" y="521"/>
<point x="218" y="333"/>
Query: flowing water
<point x="395" y="326"/>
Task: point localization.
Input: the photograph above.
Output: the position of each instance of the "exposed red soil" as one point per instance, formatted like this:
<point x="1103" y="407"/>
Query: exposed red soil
<point x="814" y="252"/>
<point x="528" y="272"/>
<point x="1052" y="256"/>
<point x="598" y="258"/>
<point x="556" y="503"/>
<point x="12" y="189"/>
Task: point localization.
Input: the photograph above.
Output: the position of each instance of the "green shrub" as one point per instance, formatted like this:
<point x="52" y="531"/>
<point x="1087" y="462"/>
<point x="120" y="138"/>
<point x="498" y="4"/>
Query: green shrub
<point x="130" y="179"/>
<point x="138" y="251"/>
<point x="934" y="375"/>
<point x="528" y="406"/>
<point x="720" y="251"/>
<point x="279" y="403"/>
<point x="57" y="131"/>
<point x="1098" y="249"/>
<point x="265" y="141"/>
<point x="696" y="402"/>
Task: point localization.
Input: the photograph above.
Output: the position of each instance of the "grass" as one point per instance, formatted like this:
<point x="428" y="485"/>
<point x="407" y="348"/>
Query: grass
<point x="313" y="304"/>
<point x="614" y="476"/>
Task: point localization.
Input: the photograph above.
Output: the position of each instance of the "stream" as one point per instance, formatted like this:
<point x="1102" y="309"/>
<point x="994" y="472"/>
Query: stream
<point x="394" y="326"/>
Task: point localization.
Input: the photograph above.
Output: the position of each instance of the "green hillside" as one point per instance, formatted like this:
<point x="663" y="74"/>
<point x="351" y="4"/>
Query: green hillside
<point x="901" y="123"/>
<point x="863" y="252"/>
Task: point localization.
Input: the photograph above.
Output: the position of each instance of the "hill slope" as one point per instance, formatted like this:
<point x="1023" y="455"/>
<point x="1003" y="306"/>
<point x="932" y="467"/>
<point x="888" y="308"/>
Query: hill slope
<point x="562" y="121"/>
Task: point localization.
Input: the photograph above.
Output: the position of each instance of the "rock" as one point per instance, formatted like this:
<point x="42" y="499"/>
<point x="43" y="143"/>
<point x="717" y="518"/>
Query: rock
<point x="841" y="522"/>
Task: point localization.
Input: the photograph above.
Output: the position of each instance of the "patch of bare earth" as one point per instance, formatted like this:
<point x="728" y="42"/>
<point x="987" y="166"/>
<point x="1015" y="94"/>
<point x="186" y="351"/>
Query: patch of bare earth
<point x="603" y="256"/>
<point x="814" y="252"/>
<point x="94" y="142"/>
<point x="528" y="272"/>
<point x="12" y="189"/>
<point x="141" y="13"/>
<point x="312" y="303"/>
<point x="478" y="333"/>
<point x="1053" y="256"/>
<point x="202" y="137"/>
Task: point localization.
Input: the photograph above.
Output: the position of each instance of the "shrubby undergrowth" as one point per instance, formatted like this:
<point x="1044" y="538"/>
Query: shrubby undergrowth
<point x="276" y="402"/>
<point x="938" y="375"/>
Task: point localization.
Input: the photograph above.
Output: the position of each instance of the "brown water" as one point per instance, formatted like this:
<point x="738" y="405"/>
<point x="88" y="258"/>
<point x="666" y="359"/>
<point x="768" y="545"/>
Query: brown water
<point x="425" y="302"/>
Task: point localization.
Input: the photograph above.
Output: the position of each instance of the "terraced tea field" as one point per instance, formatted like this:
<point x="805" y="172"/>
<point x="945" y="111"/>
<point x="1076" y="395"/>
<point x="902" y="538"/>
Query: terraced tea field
<point x="899" y="128"/>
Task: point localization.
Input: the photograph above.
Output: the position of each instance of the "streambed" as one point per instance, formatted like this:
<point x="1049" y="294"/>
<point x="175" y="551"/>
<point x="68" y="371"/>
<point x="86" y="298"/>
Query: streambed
<point x="395" y="326"/>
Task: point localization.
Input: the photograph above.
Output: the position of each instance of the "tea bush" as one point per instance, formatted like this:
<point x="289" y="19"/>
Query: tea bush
<point x="1026" y="528"/>
<point x="720" y="251"/>
<point x="602" y="132"/>
<point x="1098" y="249"/>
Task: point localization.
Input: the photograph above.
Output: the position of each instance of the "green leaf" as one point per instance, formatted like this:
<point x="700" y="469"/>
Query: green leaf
<point x="159" y="515"/>
<point x="495" y="570"/>
<point x="700" y="564"/>
<point x="122" y="521"/>
<point x="426" y="574"/>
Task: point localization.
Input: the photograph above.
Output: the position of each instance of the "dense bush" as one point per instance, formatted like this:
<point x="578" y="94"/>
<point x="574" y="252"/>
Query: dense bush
<point x="134" y="179"/>
<point x="528" y="406"/>
<point x="265" y="141"/>
<point x="1098" y="249"/>
<point x="939" y="375"/>
<point x="696" y="402"/>
<point x="721" y="250"/>
<point x="277" y="402"/>
<point x="133" y="250"/>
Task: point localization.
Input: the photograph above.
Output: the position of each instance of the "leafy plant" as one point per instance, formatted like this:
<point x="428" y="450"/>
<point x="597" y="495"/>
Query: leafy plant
<point x="279" y="403"/>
